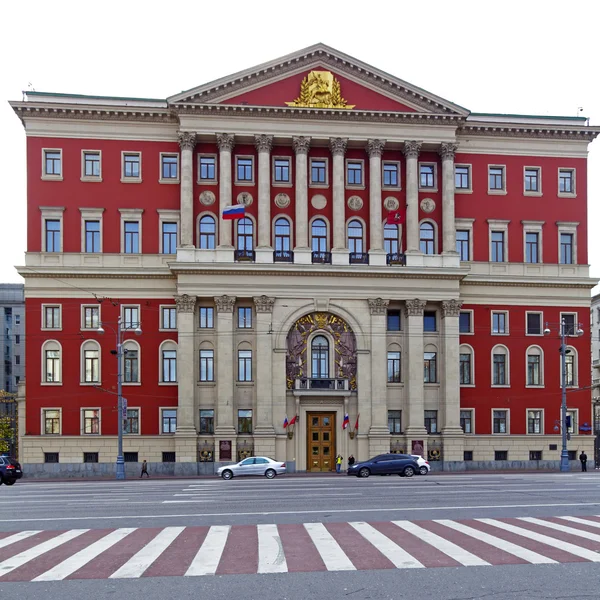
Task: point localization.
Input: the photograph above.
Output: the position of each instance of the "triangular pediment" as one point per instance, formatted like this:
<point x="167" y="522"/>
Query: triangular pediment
<point x="318" y="77"/>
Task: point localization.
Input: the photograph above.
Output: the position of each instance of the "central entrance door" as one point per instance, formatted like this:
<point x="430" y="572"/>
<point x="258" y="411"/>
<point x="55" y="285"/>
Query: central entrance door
<point x="321" y="441"/>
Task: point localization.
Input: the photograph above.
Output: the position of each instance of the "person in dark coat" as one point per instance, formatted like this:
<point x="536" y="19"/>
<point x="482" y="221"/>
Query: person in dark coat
<point x="351" y="460"/>
<point x="583" y="459"/>
<point x="144" y="470"/>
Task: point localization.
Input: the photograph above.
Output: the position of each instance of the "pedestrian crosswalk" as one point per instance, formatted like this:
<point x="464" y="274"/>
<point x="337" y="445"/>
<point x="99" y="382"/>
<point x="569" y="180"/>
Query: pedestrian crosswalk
<point x="129" y="552"/>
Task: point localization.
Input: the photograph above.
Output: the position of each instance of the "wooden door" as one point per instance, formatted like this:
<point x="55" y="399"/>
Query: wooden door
<point x="321" y="441"/>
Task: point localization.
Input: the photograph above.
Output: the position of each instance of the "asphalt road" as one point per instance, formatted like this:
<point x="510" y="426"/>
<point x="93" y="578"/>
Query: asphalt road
<point x="299" y="504"/>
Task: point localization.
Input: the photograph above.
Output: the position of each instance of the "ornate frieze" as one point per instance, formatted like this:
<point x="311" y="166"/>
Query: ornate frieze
<point x="320" y="89"/>
<point x="185" y="303"/>
<point x="448" y="150"/>
<point x="414" y="308"/>
<point x="187" y="140"/>
<point x="378" y="306"/>
<point x="412" y="148"/>
<point x="225" y="141"/>
<point x="263" y="142"/>
<point x="301" y="144"/>
<point x="375" y="148"/>
<point x="451" y="308"/>
<point x="225" y="303"/>
<point x="338" y="146"/>
<point x="264" y="304"/>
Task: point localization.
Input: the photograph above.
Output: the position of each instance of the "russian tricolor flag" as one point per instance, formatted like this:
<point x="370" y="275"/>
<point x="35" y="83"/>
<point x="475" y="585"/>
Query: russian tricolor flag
<point x="285" y="423"/>
<point x="236" y="211"/>
<point x="346" y="421"/>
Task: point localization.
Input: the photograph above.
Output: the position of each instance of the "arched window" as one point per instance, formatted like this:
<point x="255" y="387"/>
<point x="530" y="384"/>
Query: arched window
<point x="427" y="233"/>
<point x="466" y="368"/>
<point x="90" y="362"/>
<point x="131" y="362"/>
<point x="282" y="239"/>
<point x="571" y="367"/>
<point x="319" y="236"/>
<point x="208" y="232"/>
<point x="500" y="366"/>
<point x="320" y="357"/>
<point x="168" y="362"/>
<point x="535" y="366"/>
<point x="52" y="362"/>
<point x="390" y="238"/>
<point x="355" y="237"/>
<point x="245" y="234"/>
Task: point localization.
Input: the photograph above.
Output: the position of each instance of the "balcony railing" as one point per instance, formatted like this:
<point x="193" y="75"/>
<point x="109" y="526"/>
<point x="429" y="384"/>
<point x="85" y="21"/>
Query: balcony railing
<point x="323" y="258"/>
<point x="396" y="258"/>
<point x="359" y="258"/>
<point x="338" y="384"/>
<point x="243" y="255"/>
<point x="283" y="256"/>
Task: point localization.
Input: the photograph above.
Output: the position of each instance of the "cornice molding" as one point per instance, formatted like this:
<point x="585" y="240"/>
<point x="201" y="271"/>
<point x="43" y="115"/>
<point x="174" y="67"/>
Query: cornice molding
<point x="560" y="133"/>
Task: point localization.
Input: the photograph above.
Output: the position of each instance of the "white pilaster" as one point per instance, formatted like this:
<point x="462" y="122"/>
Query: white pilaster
<point x="415" y="429"/>
<point x="187" y="142"/>
<point x="447" y="152"/>
<point x="225" y="142"/>
<point x="411" y="152"/>
<point x="263" y="145"/>
<point x="377" y="254"/>
<point x="339" y="251"/>
<point x="225" y="367"/>
<point x="302" y="252"/>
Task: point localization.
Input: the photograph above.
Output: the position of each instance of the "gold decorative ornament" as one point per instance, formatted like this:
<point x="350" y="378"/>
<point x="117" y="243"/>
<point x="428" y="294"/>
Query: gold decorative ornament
<point x="320" y="89"/>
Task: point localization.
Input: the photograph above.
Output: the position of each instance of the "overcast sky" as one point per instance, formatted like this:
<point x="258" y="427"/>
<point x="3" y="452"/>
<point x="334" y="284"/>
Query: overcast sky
<point x="525" y="57"/>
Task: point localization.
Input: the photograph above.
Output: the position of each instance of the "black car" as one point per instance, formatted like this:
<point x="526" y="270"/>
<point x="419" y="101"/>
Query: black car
<point x="386" y="464"/>
<point x="10" y="470"/>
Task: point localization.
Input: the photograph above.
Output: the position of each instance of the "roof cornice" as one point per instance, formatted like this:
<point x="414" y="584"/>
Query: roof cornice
<point x="561" y="132"/>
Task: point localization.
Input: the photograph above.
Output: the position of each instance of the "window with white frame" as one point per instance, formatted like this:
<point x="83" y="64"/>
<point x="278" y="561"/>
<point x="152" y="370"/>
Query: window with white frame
<point x="131" y="424"/>
<point x="430" y="421"/>
<point x="535" y="421"/>
<point x="533" y="323"/>
<point x="395" y="421"/>
<point x="283" y="238"/>
<point x="566" y="182"/>
<point x="91" y="165"/>
<point x="52" y="362"/>
<point x="535" y="366"/>
<point x="572" y="421"/>
<point x="244" y="365"/>
<point x="207" y="365"/>
<point x="499" y="421"/>
<point x="130" y="316"/>
<point x="168" y="317"/>
<point x="244" y="169"/>
<point x="168" y="356"/>
<point x="566" y="248"/>
<point x="131" y="167"/>
<point x="282" y="170"/>
<point x="51" y="418"/>
<point x="90" y="362"/>
<point x="463" y="244"/>
<point x="318" y="172"/>
<point x="427" y="238"/>
<point x="131" y="233"/>
<point x="500" y="322"/>
<point x="208" y="233"/>
<point x="169" y="237"/>
<point x="355" y="173"/>
<point x="245" y="237"/>
<point x="496" y="179"/>
<point x="90" y="316"/>
<point x="52" y="236"/>
<point x="207" y="317"/>
<point x="131" y="362"/>
<point x="52" y="163"/>
<point x="168" y="417"/>
<point x="430" y="367"/>
<point x="427" y="176"/>
<point x="466" y="365"/>
<point x="51" y="316"/>
<point x="169" y="168"/>
<point x="570" y="367"/>
<point x="462" y="178"/>
<point x="532" y="181"/>
<point x="207" y="420"/>
<point x="390" y="174"/>
<point x="467" y="421"/>
<point x="318" y="236"/>
<point x="497" y="246"/>
<point x="532" y="247"/>
<point x="394" y="362"/>
<point x="567" y="242"/>
<point x="92" y="241"/>
<point x="570" y="323"/>
<point x="355" y="237"/>
<point x="500" y="366"/>
<point x="207" y="168"/>
<point x="465" y="321"/>
<point x="391" y="241"/>
<point x="90" y="418"/>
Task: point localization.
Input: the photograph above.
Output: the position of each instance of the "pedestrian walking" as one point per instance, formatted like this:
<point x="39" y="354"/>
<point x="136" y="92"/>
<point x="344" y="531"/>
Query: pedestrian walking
<point x="583" y="459"/>
<point x="351" y="460"/>
<point x="338" y="463"/>
<point x="144" y="470"/>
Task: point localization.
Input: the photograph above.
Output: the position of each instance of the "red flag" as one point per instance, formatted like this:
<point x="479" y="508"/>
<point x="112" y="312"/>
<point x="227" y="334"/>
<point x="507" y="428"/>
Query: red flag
<point x="393" y="217"/>
<point x="356" y="424"/>
<point x="293" y="421"/>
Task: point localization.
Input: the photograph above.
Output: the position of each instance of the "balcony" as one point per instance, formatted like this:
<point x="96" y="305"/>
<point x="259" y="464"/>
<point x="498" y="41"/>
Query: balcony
<point x="285" y="256"/>
<point x="359" y="258"/>
<point x="319" y="385"/>
<point x="243" y="255"/>
<point x="396" y="258"/>
<point x="321" y="258"/>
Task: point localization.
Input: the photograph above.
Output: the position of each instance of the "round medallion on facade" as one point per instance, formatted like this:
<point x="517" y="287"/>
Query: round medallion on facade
<point x="391" y="203"/>
<point x="427" y="205"/>
<point x="282" y="200"/>
<point x="355" y="203"/>
<point x="318" y="201"/>
<point x="207" y="198"/>
<point x="245" y="198"/>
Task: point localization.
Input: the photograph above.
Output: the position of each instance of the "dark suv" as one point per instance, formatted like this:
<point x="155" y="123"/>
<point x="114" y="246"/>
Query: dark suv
<point x="386" y="464"/>
<point x="10" y="470"/>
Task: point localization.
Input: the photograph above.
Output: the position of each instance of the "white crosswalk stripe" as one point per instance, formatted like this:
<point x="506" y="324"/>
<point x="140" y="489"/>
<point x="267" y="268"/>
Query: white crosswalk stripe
<point x="271" y="558"/>
<point x="333" y="556"/>
<point x="209" y="555"/>
<point x="594" y="524"/>
<point x="17" y="537"/>
<point x="556" y="526"/>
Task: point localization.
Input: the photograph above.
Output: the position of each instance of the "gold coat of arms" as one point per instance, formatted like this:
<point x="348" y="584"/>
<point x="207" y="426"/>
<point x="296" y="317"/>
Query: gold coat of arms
<point x="320" y="89"/>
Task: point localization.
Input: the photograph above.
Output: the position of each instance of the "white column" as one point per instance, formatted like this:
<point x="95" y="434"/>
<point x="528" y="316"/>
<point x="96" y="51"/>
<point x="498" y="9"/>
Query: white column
<point x="377" y="254"/>
<point x="447" y="152"/>
<point x="302" y="251"/>
<point x="339" y="252"/>
<point x="264" y="250"/>
<point x="411" y="152"/>
<point x="187" y="142"/>
<point x="415" y="429"/>
<point x="225" y="367"/>
<point x="225" y="142"/>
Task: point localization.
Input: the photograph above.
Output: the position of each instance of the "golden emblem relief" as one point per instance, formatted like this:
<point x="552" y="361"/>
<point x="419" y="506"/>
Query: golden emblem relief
<point x="320" y="89"/>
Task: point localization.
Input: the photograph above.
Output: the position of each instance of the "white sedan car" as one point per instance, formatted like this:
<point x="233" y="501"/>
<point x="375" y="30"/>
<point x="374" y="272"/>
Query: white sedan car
<point x="424" y="467"/>
<point x="253" y="465"/>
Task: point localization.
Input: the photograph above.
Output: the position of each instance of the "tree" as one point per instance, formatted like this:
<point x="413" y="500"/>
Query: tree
<point x="7" y="433"/>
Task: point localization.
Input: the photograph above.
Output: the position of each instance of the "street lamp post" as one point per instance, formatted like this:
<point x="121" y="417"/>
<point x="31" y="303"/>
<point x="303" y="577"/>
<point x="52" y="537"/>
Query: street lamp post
<point x="564" y="454"/>
<point x="120" y="470"/>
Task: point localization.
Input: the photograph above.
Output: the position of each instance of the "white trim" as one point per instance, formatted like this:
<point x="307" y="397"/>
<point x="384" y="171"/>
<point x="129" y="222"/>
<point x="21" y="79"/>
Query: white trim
<point x="213" y="181"/>
<point x="472" y="411"/>
<point x="168" y="216"/>
<point x="82" y="326"/>
<point x="568" y="227"/>
<point x="435" y="176"/>
<point x="467" y="190"/>
<point x="160" y="168"/>
<point x="435" y="235"/>
<point x="573" y="352"/>
<point x="572" y="194"/>
<point x="160" y="317"/>
<point x="355" y="186"/>
<point x="139" y="411"/>
<point x="534" y="227"/>
<point x="574" y="412"/>
<point x="497" y="192"/>
<point x="139" y="315"/>
<point x="542" y="324"/>
<point x="471" y="352"/>
<point x="43" y="421"/>
<point x="244" y="182"/>
<point x="498" y="225"/>
<point x="43" y="365"/>
<point x="91" y="178"/>
<point x="507" y="411"/>
<point x="50" y="177"/>
<point x="364" y="232"/>
<point x="506" y="322"/>
<point x="291" y="224"/>
<point x="82" y="422"/>
<point x="52" y="213"/>
<point x="539" y="191"/>
<point x="398" y="165"/>
<point x="465" y="225"/>
<point x="575" y="320"/>
<point x="328" y="231"/>
<point x="398" y="229"/>
<point x="283" y="184"/>
<point x="207" y="213"/>
<point x="472" y="321"/>
<point x="91" y="214"/>
<point x="89" y="344"/>
<point x="534" y="349"/>
<point x="254" y="232"/>
<point x="170" y="345"/>
<point x="506" y="353"/>
<point x="130" y="215"/>
<point x="310" y="181"/>
<point x="124" y="179"/>
<point x="132" y="342"/>
<point x="43" y="327"/>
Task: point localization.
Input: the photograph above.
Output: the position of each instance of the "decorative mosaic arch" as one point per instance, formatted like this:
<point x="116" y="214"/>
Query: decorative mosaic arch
<point x="344" y="346"/>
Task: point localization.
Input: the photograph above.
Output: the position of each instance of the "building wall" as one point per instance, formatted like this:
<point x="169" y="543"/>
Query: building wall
<point x="12" y="317"/>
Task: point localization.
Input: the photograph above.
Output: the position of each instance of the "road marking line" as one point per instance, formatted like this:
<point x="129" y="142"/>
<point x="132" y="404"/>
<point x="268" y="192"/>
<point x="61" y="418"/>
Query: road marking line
<point x="271" y="558"/>
<point x="582" y="521"/>
<point x="138" y="563"/>
<point x="464" y="557"/>
<point x="399" y="557"/>
<point x="14" y="562"/>
<point x="570" y="530"/>
<point x="17" y="537"/>
<point x="83" y="557"/>
<point x="545" y="539"/>
<point x="333" y="556"/>
<point x="209" y="555"/>
<point x="529" y="555"/>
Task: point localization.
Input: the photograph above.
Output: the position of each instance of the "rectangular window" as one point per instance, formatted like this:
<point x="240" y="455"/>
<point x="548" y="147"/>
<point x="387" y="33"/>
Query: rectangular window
<point x="281" y="170"/>
<point x="17" y="319"/>
<point x="566" y="181"/>
<point x="534" y="369"/>
<point x="465" y="369"/>
<point x="168" y="317"/>
<point x="53" y="163"/>
<point x="464" y="322"/>
<point x="92" y="236"/>
<point x="244" y="169"/>
<point x="52" y="235"/>
<point x="52" y="372"/>
<point x="462" y="244"/>
<point x="395" y="421"/>
<point x="131" y="366"/>
<point x="169" y="366"/>
<point x="51" y="457"/>
<point x="468" y="455"/>
<point x="168" y="457"/>
<point x="169" y="164"/>
<point x="208" y="168"/>
<point x="393" y="367"/>
<point x="572" y="426"/>
<point x="496" y="178"/>
<point x="90" y="457"/>
<point x="130" y="457"/>
<point x="318" y="171"/>
<point x="393" y="320"/>
<point x="570" y="370"/>
<point x="430" y="367"/>
<point x="17" y="339"/>
<point x="462" y="177"/>
<point x="207" y="365"/>
<point x="17" y="360"/>
<point x="390" y="175"/>
<point x="169" y="238"/>
<point x="207" y="317"/>
<point x="466" y="421"/>
<point x="570" y="322"/>
<point x="431" y="421"/>
<point x="244" y="421"/>
<point x="244" y="317"/>
<point x="131" y="423"/>
<point x="429" y="321"/>
<point x="244" y="365"/>
<point x="501" y="455"/>
<point x="499" y="368"/>
<point x="534" y="421"/>
<point x="169" y="420"/>
<point x="91" y="421"/>
<point x="131" y="231"/>
<point x="52" y="422"/>
<point x="497" y="246"/>
<point x="426" y="176"/>
<point x="354" y="173"/>
<point x="535" y="455"/>
<point x="91" y="317"/>
<point x="532" y="247"/>
<point x="500" y="421"/>
<point x="499" y="323"/>
<point x="534" y="323"/>
<point x="131" y="166"/>
<point x="91" y="164"/>
<point x="207" y="421"/>
<point x="532" y="179"/>
<point x="566" y="249"/>
<point x="91" y="359"/>
<point x="52" y="317"/>
<point x="131" y="317"/>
